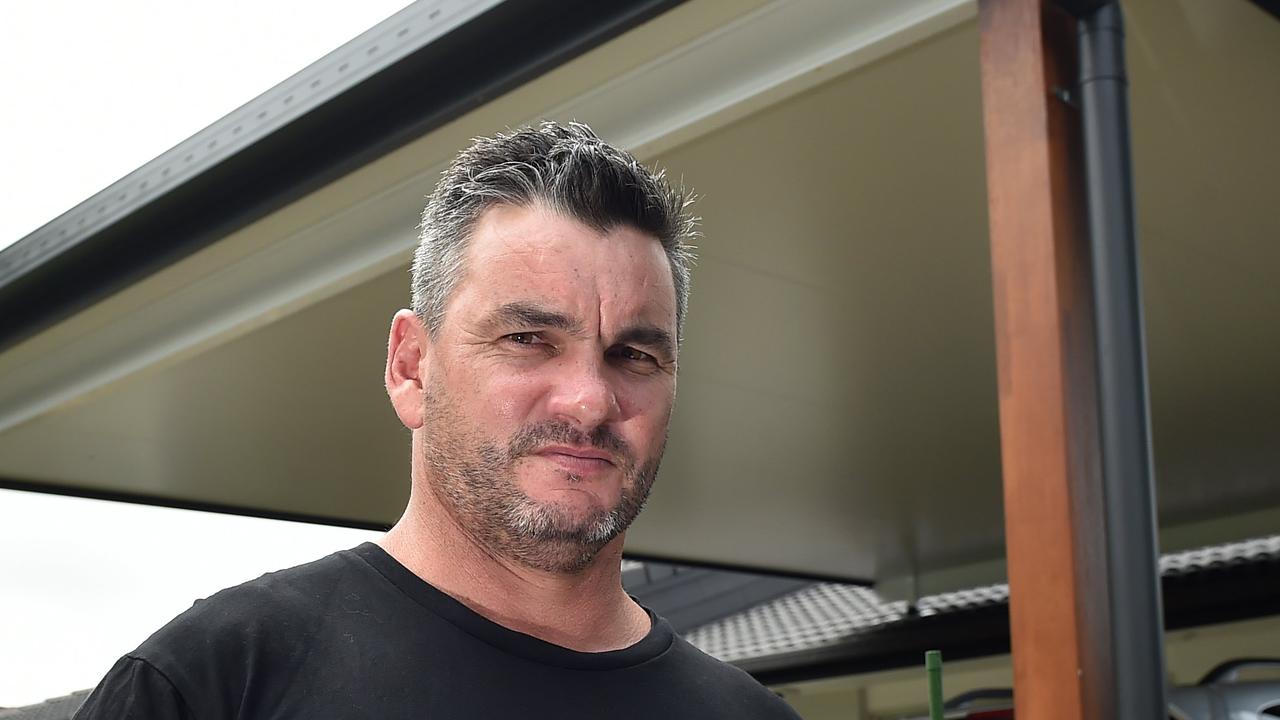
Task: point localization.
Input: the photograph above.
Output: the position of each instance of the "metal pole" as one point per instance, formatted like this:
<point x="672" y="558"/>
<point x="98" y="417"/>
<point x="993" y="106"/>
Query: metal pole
<point x="1137" y="619"/>
<point x="933" y="668"/>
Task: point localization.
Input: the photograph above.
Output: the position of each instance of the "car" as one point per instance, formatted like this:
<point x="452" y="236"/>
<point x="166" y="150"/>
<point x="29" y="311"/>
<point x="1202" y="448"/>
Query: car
<point x="1220" y="695"/>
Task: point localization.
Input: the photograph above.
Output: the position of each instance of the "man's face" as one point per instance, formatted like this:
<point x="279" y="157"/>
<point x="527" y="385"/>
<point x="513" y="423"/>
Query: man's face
<point x="549" y="385"/>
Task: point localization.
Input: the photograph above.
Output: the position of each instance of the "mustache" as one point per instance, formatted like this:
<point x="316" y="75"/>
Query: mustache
<point x="532" y="438"/>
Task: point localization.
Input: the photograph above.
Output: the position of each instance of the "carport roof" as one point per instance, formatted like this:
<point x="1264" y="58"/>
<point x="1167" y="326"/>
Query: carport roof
<point x="857" y="440"/>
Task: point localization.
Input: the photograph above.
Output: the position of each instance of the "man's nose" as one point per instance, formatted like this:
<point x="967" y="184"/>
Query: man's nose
<point x="584" y="396"/>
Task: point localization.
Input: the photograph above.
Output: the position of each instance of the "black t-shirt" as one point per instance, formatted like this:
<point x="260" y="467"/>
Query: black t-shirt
<point x="357" y="635"/>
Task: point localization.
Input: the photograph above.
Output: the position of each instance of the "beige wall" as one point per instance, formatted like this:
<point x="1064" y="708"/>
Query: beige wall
<point x="902" y="693"/>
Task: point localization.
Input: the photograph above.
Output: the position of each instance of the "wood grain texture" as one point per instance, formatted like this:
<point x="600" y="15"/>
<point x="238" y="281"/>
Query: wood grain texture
<point x="1059" y="617"/>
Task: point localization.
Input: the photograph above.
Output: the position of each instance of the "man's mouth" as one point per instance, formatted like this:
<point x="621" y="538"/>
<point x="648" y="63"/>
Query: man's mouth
<point x="579" y="460"/>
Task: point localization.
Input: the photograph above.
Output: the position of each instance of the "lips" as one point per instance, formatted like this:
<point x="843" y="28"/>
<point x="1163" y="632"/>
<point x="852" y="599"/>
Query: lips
<point x="585" y="453"/>
<point x="578" y="460"/>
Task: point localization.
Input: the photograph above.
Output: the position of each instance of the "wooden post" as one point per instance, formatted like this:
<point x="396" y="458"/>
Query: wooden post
<point x="1059" y="614"/>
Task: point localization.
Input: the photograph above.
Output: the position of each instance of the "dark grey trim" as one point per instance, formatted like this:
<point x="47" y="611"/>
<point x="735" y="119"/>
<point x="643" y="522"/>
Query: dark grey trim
<point x="421" y="68"/>
<point x="760" y="569"/>
<point x="1128" y="485"/>
<point x="1269" y="6"/>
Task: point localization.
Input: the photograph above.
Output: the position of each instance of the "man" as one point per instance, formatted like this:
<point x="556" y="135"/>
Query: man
<point x="537" y="373"/>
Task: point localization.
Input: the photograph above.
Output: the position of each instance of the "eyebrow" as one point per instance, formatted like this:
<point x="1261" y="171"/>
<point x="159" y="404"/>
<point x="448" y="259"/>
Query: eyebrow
<point x="524" y="313"/>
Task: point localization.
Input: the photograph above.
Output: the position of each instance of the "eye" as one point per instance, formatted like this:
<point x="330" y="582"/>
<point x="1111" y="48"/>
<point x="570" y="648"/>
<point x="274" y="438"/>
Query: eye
<point x="524" y="343"/>
<point x="632" y="355"/>
<point x="524" y="338"/>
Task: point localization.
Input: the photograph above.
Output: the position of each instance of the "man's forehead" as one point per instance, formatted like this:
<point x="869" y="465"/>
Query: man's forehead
<point x="540" y="258"/>
<point x="498" y="310"/>
<point x="536" y="230"/>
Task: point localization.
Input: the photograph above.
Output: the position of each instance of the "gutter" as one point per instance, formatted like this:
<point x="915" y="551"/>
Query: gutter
<point x="424" y="66"/>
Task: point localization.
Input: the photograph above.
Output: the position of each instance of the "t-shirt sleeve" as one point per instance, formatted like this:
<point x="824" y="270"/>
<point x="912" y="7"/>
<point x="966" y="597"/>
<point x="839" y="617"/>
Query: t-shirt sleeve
<point x="134" y="690"/>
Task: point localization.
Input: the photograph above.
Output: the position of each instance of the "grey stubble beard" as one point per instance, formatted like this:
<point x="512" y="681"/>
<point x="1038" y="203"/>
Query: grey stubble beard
<point x="475" y="479"/>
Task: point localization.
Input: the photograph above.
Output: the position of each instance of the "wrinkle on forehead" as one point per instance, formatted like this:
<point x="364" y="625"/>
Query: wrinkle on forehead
<point x="533" y="253"/>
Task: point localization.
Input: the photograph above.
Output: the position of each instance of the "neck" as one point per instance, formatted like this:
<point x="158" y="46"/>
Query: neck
<point x="586" y="611"/>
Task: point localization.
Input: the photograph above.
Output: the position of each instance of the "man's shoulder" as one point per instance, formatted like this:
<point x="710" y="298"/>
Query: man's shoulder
<point x="277" y="603"/>
<point x="209" y="657"/>
<point x="733" y="689"/>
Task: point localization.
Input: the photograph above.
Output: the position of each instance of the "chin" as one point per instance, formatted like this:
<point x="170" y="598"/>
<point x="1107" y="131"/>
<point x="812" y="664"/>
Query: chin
<point x="572" y="493"/>
<point x="573" y="510"/>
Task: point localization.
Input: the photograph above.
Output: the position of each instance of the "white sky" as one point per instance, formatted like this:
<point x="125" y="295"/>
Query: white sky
<point x="84" y="581"/>
<point x="94" y="90"/>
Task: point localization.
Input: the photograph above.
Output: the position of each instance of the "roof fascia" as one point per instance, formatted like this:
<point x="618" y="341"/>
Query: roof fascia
<point x="736" y="64"/>
<point x="420" y="68"/>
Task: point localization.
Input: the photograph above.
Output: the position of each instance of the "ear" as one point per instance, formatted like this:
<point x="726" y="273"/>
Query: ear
<point x="405" y="376"/>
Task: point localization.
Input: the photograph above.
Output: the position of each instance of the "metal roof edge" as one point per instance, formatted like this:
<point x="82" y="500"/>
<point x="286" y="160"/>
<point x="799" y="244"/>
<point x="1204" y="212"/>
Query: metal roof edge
<point x="424" y="66"/>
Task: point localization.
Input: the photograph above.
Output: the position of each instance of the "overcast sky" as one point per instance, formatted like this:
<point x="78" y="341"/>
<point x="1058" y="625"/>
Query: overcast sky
<point x="92" y="91"/>
<point x="85" y="581"/>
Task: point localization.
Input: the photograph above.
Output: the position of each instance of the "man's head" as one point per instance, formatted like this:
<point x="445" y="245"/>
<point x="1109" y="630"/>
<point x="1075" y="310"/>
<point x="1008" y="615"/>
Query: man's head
<point x="565" y="168"/>
<point x="537" y="368"/>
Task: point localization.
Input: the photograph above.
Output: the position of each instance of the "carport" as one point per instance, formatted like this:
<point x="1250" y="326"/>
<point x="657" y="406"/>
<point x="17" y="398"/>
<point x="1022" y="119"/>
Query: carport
<point x="876" y="178"/>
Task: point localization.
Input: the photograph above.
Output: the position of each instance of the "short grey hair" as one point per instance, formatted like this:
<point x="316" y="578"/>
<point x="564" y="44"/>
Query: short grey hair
<point x="570" y="170"/>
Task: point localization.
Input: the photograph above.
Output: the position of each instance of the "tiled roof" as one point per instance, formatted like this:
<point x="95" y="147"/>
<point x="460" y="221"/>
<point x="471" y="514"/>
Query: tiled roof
<point x="817" y="615"/>
<point x="963" y="599"/>
<point x="1221" y="556"/>
<point x="828" y="613"/>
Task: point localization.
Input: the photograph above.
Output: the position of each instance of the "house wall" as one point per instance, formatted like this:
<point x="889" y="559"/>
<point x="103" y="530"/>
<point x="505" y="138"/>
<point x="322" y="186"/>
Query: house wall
<point x="902" y="693"/>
